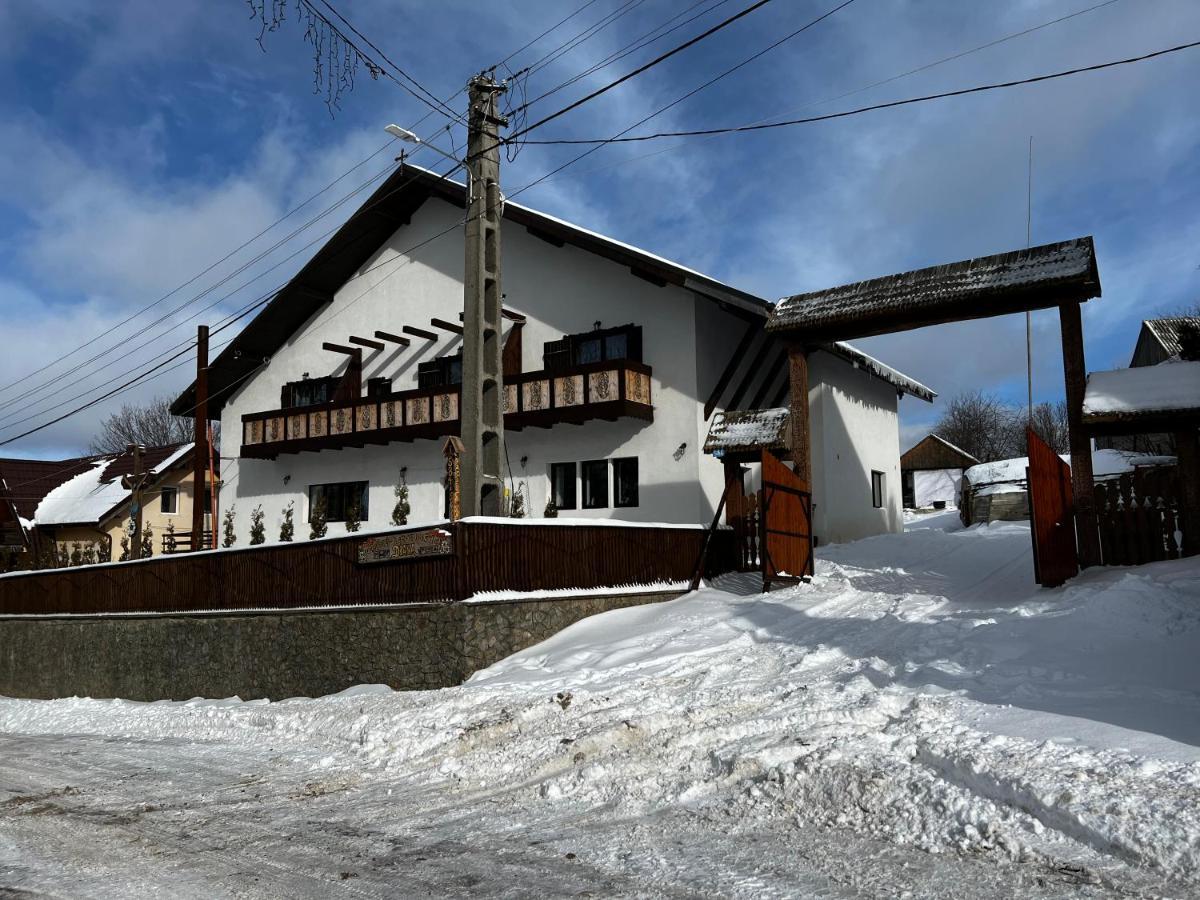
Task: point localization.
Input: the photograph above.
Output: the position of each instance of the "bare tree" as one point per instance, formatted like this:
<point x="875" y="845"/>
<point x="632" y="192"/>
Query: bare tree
<point x="982" y="425"/>
<point x="151" y="424"/>
<point x="1050" y="423"/>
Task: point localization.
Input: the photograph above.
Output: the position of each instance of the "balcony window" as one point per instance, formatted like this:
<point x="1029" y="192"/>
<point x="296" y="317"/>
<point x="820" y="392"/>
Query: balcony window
<point x="625" y="481"/>
<point x="169" y="502"/>
<point x="588" y="350"/>
<point x="339" y="498"/>
<point x="440" y="372"/>
<point x="308" y="392"/>
<point x="594" y="474"/>
<point x="622" y="342"/>
<point x="562" y="485"/>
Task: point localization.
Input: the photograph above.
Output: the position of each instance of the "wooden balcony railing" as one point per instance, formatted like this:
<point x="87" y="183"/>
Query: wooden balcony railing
<point x="604" y="390"/>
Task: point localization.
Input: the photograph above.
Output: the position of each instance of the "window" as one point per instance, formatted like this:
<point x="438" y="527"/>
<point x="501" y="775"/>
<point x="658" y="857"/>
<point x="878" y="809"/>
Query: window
<point x="622" y="342"/>
<point x="587" y="350"/>
<point x="440" y="372"/>
<point x="309" y="392"/>
<point x="877" y="489"/>
<point x="339" y="497"/>
<point x="625" y="481"/>
<point x="594" y="473"/>
<point x="170" y="501"/>
<point x="562" y="485"/>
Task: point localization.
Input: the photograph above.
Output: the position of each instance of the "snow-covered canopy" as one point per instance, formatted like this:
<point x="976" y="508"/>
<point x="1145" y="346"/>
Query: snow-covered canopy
<point x="1105" y="464"/>
<point x="1169" y="388"/>
<point x="753" y="429"/>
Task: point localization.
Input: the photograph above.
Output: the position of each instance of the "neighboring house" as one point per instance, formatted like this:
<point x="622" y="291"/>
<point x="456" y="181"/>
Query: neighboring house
<point x="615" y="361"/>
<point x="932" y="471"/>
<point x="80" y="501"/>
<point x="1159" y="341"/>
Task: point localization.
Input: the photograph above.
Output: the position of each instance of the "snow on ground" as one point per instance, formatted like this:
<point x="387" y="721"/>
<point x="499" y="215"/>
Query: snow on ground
<point x="919" y="721"/>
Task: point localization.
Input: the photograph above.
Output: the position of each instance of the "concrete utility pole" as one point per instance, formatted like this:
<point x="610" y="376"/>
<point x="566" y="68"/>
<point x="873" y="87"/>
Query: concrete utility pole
<point x="134" y="483"/>
<point x="482" y="387"/>
<point x="200" y="449"/>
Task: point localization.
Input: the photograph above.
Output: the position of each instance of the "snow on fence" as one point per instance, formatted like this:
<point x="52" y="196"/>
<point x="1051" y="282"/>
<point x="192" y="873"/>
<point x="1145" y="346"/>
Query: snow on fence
<point x="477" y="556"/>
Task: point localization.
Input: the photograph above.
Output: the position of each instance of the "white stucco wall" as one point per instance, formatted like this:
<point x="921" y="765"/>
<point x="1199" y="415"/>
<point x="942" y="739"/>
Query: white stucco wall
<point x="936" y="484"/>
<point x="855" y="430"/>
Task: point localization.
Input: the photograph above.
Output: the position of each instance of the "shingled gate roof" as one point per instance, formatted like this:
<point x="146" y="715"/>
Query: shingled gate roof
<point x="1034" y="278"/>
<point x="740" y="430"/>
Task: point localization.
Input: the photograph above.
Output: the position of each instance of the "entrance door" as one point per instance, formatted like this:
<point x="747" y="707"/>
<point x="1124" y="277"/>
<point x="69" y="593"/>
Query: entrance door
<point x="786" y="546"/>
<point x="1051" y="514"/>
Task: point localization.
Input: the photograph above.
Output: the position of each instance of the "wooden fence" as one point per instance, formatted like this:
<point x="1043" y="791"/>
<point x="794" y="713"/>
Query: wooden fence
<point x="480" y="556"/>
<point x="1138" y="516"/>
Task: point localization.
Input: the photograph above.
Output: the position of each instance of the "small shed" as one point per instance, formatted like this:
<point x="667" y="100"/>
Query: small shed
<point x="931" y="472"/>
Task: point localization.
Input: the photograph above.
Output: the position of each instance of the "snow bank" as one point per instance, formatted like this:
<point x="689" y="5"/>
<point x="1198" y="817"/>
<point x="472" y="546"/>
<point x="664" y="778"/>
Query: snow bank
<point x="1004" y="474"/>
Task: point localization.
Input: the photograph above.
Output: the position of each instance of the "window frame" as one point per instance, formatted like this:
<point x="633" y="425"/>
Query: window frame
<point x="341" y="494"/>
<point x="620" y="463"/>
<point x="598" y="466"/>
<point x="169" y="491"/>
<point x="572" y="481"/>
<point x="878" y="489"/>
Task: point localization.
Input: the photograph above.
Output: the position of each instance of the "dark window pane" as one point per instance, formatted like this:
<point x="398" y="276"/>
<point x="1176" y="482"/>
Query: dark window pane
<point x="170" y="500"/>
<point x="877" y="490"/>
<point x="562" y="485"/>
<point x="339" y="497"/>
<point x="625" y="481"/>
<point x="595" y="483"/>
<point x="616" y="346"/>
<point x="587" y="351"/>
<point x="455" y="370"/>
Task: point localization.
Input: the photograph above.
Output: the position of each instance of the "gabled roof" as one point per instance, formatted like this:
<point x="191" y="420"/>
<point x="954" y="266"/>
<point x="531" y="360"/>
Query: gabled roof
<point x="742" y="430"/>
<point x="1034" y="278"/>
<point x="1168" y="331"/>
<point x="935" y="452"/>
<point x="870" y="364"/>
<point x="393" y="204"/>
<point x="72" y="491"/>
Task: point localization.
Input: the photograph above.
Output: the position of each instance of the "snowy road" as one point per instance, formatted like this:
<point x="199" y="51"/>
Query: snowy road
<point x="918" y="722"/>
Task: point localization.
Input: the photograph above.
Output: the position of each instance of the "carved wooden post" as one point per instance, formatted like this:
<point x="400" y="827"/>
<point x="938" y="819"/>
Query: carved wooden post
<point x="1082" y="480"/>
<point x="801" y="434"/>
<point x="1187" y="449"/>
<point x="453" y="451"/>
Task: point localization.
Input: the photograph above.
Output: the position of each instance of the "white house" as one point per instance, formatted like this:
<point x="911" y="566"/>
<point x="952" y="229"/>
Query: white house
<point x="615" y="361"/>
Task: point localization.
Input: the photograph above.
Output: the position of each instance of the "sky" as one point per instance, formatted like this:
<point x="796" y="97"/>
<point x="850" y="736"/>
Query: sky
<point x="142" y="142"/>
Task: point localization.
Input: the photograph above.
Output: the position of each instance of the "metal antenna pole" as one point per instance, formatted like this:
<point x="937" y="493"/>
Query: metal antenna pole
<point x="1028" y="314"/>
<point x="482" y="387"/>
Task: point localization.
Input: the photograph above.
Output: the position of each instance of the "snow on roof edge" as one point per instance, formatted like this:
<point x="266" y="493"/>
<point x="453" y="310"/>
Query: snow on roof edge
<point x="893" y="376"/>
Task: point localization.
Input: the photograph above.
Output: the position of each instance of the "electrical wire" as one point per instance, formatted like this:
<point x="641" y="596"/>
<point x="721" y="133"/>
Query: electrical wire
<point x="995" y="86"/>
<point x="552" y="28"/>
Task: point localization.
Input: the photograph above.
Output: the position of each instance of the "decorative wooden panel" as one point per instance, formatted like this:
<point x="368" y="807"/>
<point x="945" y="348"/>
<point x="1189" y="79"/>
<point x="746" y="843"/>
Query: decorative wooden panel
<point x="568" y="390"/>
<point x="318" y="424"/>
<point x="445" y="407"/>
<point x="637" y="387"/>
<point x="603" y="386"/>
<point x="393" y="414"/>
<point x="536" y="394"/>
<point x="368" y="417"/>
<point x="252" y="432"/>
<point x="297" y="427"/>
<point x="341" y="420"/>
<point x="416" y="411"/>
<point x="510" y="398"/>
<point x="274" y="428"/>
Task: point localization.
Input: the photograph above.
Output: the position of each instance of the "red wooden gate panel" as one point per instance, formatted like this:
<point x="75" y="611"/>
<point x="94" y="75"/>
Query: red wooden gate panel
<point x="786" y="546"/>
<point x="1051" y="514"/>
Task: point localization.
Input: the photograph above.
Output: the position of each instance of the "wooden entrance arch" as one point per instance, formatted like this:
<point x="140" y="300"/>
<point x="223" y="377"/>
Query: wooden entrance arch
<point x="1062" y="275"/>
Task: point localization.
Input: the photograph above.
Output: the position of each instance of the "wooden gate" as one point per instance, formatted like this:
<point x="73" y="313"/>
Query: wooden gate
<point x="785" y="543"/>
<point x="1051" y="514"/>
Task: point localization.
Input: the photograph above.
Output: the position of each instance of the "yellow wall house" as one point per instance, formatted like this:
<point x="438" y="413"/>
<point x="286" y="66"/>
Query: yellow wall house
<point x="81" y="503"/>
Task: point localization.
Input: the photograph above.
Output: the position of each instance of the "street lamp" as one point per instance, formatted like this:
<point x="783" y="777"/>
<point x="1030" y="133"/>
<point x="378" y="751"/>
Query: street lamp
<point x="410" y="137"/>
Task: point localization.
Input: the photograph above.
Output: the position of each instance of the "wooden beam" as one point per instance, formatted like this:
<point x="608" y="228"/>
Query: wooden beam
<point x="778" y="364"/>
<point x="339" y="348"/>
<point x="1082" y="481"/>
<point x="446" y="326"/>
<point x="1187" y="449"/>
<point x="801" y="436"/>
<point x="756" y="365"/>
<point x="656" y="280"/>
<point x="730" y="367"/>
<point x="419" y="332"/>
<point x="366" y="342"/>
<point x="393" y="338"/>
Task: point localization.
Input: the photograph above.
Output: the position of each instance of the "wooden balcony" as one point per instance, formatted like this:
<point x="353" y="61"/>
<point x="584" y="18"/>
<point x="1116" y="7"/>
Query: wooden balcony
<point x="606" y="390"/>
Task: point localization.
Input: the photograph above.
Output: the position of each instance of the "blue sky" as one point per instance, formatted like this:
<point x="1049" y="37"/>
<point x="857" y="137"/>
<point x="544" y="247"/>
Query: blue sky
<point x="141" y="141"/>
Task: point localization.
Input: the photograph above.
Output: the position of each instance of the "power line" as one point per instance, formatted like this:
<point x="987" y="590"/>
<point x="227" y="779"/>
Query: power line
<point x="552" y="28"/>
<point x="811" y="23"/>
<point x="889" y="105"/>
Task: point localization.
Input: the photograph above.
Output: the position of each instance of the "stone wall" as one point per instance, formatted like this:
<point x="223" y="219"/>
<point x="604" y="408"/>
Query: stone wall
<point x="291" y="653"/>
<point x="1006" y="507"/>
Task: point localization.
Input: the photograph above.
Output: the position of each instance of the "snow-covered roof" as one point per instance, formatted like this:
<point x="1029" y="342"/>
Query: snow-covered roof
<point x="85" y="498"/>
<point x="1168" y="331"/>
<point x="1169" y="388"/>
<point x="882" y="370"/>
<point x="753" y="429"/>
<point x="1105" y="464"/>
<point x="990" y="285"/>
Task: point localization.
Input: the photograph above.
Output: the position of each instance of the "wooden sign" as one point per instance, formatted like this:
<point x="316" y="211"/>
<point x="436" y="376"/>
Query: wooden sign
<point x="409" y="545"/>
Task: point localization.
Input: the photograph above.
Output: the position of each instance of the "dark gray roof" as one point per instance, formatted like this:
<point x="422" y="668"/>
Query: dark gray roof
<point x="1167" y="331"/>
<point x="737" y="430"/>
<point x="1033" y="278"/>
